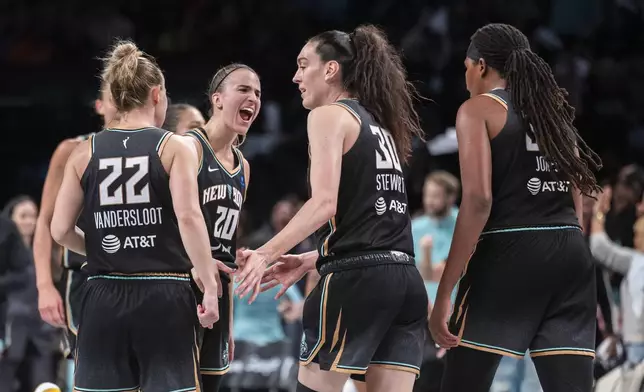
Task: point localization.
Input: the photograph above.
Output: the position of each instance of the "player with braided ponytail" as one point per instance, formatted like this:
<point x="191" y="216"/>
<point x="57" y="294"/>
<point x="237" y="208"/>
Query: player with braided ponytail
<point x="536" y="95"/>
<point x="526" y="278"/>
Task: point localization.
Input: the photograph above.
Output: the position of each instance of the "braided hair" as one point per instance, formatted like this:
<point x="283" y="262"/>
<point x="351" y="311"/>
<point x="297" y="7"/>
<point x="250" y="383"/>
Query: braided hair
<point x="539" y="100"/>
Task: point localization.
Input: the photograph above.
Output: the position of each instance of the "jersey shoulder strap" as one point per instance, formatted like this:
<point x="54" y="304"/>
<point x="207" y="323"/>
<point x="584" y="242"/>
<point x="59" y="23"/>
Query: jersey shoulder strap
<point x="351" y="106"/>
<point x="240" y="158"/>
<point x="497" y="97"/>
<point x="84" y="137"/>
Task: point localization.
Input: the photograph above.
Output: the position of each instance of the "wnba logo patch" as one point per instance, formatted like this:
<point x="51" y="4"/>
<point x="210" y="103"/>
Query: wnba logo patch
<point x="534" y="185"/>
<point x="111" y="244"/>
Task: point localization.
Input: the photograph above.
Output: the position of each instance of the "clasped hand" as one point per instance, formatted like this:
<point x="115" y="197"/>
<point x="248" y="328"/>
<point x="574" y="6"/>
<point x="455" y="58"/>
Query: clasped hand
<point x="255" y="275"/>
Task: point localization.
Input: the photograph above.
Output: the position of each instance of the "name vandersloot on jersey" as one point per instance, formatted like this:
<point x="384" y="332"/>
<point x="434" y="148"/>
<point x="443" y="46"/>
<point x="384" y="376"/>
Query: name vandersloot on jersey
<point x="128" y="217"/>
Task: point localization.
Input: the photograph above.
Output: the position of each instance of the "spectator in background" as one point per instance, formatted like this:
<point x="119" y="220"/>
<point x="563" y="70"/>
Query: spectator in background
<point x="516" y="375"/>
<point x="620" y="218"/>
<point x="630" y="263"/>
<point x="22" y="210"/>
<point x="262" y="339"/>
<point x="281" y="214"/>
<point x="626" y="193"/>
<point x="605" y="316"/>
<point x="32" y="342"/>
<point x="283" y="211"/>
<point x="14" y="261"/>
<point x="268" y="331"/>
<point x="433" y="230"/>
<point x="181" y="117"/>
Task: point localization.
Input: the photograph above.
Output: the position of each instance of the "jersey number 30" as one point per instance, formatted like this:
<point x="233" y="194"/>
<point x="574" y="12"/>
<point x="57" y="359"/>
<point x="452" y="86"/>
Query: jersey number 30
<point x="387" y="157"/>
<point x="130" y="195"/>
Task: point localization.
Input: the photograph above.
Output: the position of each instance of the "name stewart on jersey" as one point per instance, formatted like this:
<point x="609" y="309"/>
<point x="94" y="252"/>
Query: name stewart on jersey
<point x="390" y="182"/>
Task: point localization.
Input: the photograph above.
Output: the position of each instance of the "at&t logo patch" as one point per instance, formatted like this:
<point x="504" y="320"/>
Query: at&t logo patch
<point x="534" y="185"/>
<point x="381" y="206"/>
<point x="111" y="244"/>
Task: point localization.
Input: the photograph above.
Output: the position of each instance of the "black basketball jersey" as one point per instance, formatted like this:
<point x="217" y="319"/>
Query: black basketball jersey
<point x="72" y="260"/>
<point x="222" y="194"/>
<point x="526" y="190"/>
<point x="132" y="227"/>
<point x="372" y="213"/>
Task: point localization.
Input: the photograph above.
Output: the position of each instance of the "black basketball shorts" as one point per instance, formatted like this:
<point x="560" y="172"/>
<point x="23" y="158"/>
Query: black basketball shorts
<point x="528" y="289"/>
<point x="366" y="316"/>
<point x="214" y="348"/>
<point x="70" y="289"/>
<point x="138" y="332"/>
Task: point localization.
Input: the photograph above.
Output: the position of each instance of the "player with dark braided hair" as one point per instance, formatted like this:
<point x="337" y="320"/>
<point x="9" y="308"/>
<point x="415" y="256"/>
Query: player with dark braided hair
<point x="526" y="281"/>
<point x="535" y="93"/>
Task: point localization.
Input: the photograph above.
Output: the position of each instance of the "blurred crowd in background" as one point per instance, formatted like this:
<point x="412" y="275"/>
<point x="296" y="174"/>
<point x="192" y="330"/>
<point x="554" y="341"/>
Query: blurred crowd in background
<point x="48" y="68"/>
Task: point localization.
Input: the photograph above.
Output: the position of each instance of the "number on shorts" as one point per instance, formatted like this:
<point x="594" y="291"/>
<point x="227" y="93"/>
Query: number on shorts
<point x="226" y="223"/>
<point x="387" y="157"/>
<point x="130" y="196"/>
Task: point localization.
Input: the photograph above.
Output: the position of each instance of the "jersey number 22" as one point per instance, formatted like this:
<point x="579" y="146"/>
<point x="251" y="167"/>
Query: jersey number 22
<point x="130" y="195"/>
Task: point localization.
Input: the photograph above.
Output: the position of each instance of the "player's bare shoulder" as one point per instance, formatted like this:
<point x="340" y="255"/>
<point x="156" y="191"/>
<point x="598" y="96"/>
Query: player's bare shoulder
<point x="178" y="146"/>
<point x="333" y="121"/>
<point x="80" y="155"/>
<point x="336" y="114"/>
<point x="63" y="152"/>
<point x="479" y="106"/>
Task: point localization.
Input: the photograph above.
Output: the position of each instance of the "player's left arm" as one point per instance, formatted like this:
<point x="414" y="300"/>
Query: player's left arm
<point x="327" y="127"/>
<point x="69" y="202"/>
<point x="476" y="173"/>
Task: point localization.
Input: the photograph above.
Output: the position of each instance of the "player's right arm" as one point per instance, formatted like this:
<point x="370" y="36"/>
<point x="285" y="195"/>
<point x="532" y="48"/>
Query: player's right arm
<point x="69" y="202"/>
<point x="475" y="160"/>
<point x="192" y="226"/>
<point x="50" y="303"/>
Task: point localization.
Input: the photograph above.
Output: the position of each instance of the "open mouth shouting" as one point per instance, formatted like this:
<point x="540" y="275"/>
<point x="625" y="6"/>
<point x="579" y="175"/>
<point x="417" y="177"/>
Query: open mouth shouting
<point x="246" y="114"/>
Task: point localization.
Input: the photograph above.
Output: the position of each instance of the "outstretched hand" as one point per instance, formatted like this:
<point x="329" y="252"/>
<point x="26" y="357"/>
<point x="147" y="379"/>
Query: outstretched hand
<point x="250" y="274"/>
<point x="287" y="271"/>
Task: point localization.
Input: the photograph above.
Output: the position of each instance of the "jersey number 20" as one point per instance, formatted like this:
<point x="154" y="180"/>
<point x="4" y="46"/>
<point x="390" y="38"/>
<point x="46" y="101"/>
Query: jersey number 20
<point x="130" y="196"/>
<point x="226" y="223"/>
<point x="387" y="157"/>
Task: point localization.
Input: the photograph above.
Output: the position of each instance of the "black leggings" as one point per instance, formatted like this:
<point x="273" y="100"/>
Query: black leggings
<point x="211" y="383"/>
<point x="472" y="370"/>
